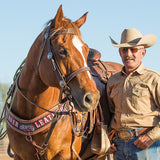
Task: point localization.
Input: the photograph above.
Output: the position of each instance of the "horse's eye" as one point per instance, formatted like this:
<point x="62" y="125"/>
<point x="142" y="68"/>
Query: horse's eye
<point x="63" y="51"/>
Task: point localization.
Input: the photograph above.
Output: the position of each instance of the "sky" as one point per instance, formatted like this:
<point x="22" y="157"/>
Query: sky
<point x="22" y="21"/>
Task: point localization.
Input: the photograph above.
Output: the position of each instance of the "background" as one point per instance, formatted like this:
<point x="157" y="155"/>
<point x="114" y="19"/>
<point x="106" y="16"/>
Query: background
<point x="21" y="22"/>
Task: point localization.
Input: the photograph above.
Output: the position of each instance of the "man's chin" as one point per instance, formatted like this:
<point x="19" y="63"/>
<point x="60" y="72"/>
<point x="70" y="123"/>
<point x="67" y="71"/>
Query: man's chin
<point x="129" y="64"/>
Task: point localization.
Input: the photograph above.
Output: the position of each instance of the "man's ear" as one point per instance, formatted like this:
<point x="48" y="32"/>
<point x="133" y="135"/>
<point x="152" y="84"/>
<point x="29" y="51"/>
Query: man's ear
<point x="120" y="52"/>
<point x="143" y="52"/>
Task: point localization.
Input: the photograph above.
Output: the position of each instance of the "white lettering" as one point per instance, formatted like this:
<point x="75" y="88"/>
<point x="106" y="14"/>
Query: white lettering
<point x="41" y="122"/>
<point x="13" y="121"/>
<point x="49" y="117"/>
<point x="45" y="120"/>
<point x="37" y="125"/>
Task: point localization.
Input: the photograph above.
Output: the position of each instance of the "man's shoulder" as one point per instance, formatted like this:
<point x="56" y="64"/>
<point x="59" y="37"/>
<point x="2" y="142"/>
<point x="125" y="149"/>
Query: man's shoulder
<point x="152" y="72"/>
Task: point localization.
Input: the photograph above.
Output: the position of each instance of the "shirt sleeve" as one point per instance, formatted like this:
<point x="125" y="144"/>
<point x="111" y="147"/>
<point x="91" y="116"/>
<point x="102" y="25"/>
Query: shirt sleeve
<point x="154" y="134"/>
<point x="110" y="102"/>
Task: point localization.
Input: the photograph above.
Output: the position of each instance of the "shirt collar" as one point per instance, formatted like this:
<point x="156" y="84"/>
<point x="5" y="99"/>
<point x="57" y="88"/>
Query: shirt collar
<point x="139" y="70"/>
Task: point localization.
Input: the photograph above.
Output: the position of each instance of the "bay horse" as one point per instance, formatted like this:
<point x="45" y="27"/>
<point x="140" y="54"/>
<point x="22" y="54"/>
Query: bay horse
<point x="55" y="72"/>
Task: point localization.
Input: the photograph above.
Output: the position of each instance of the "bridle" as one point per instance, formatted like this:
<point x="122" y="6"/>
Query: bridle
<point x="63" y="81"/>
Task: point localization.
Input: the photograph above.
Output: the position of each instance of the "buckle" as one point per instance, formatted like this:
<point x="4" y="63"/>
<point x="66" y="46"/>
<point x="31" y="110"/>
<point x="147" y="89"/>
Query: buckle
<point x="124" y="134"/>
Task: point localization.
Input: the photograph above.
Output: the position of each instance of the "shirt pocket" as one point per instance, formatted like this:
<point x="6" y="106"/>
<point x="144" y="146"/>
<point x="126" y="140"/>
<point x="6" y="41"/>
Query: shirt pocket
<point x="140" y="96"/>
<point x="139" y="92"/>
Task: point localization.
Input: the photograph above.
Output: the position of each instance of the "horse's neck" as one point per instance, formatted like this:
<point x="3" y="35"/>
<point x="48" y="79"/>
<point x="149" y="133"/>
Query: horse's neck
<point x="36" y="91"/>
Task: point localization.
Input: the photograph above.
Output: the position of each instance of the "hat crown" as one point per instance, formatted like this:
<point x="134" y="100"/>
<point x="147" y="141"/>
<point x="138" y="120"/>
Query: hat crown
<point x="133" y="37"/>
<point x="129" y="35"/>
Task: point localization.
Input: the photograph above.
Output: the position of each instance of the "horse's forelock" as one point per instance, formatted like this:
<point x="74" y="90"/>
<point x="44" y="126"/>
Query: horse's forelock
<point x="65" y="24"/>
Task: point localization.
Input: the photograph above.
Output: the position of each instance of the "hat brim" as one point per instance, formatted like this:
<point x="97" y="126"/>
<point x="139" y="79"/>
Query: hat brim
<point x="147" y="41"/>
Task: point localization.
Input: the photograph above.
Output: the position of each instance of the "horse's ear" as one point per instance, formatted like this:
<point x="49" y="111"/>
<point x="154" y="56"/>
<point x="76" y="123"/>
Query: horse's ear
<point x="58" y="17"/>
<point x="81" y="20"/>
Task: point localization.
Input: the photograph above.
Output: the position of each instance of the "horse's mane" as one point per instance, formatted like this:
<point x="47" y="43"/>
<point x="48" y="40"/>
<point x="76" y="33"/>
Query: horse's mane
<point x="65" y="24"/>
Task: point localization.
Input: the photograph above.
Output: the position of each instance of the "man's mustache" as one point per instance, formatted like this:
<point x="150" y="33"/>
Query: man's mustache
<point x="129" y="58"/>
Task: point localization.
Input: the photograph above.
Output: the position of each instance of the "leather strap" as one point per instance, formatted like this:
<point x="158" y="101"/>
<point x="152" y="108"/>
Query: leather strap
<point x="138" y="132"/>
<point x="127" y="134"/>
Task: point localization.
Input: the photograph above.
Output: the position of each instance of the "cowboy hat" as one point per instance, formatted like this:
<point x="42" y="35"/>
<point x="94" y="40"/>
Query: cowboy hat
<point x="133" y="37"/>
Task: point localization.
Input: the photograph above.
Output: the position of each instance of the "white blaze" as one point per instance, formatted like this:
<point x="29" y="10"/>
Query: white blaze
<point x="78" y="44"/>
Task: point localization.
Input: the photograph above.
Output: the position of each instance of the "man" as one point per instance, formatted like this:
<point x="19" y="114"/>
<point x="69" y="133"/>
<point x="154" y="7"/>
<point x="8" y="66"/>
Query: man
<point x="134" y="100"/>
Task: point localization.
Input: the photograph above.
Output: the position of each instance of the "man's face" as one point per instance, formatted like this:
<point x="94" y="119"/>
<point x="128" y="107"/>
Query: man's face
<point x="131" y="57"/>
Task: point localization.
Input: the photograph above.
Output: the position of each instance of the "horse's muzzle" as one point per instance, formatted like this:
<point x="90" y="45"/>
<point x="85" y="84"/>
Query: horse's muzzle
<point x="90" y="101"/>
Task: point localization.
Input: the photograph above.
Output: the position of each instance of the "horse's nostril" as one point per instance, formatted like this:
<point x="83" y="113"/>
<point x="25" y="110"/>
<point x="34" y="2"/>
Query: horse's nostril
<point x="88" y="99"/>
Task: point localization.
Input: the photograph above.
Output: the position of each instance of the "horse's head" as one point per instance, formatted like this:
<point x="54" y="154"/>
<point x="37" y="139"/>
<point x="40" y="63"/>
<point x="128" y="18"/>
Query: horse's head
<point x="65" y="57"/>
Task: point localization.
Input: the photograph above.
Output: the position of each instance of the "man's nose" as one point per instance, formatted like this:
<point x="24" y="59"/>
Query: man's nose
<point x="129" y="52"/>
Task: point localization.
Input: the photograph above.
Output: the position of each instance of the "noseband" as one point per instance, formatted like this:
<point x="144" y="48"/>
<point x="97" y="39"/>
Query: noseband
<point x="63" y="81"/>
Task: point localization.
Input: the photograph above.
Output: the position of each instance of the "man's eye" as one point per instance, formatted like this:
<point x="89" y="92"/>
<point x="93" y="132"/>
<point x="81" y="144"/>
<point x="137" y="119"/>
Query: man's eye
<point x="124" y="50"/>
<point x="134" y="50"/>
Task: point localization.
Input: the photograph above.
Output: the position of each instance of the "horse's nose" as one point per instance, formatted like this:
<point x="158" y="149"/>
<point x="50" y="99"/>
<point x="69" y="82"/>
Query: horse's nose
<point x="91" y="100"/>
